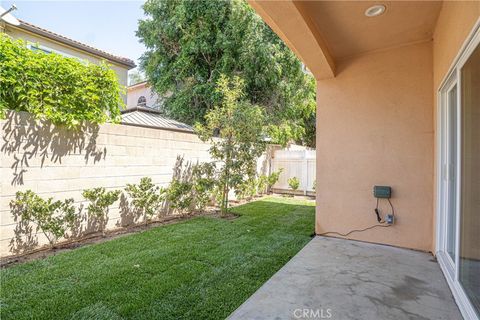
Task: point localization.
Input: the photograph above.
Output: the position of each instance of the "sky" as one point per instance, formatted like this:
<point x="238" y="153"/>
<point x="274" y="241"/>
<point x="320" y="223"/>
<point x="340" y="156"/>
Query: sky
<point x="106" y="25"/>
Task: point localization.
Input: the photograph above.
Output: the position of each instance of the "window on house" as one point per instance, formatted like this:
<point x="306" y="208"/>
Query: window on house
<point x="142" y="101"/>
<point x="39" y="48"/>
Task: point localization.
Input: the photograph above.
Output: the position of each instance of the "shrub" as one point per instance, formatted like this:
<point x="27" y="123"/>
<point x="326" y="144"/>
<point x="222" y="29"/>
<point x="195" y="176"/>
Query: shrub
<point x="53" y="87"/>
<point x="273" y="178"/>
<point x="146" y="197"/>
<point x="179" y="196"/>
<point x="100" y="200"/>
<point x="251" y="187"/>
<point x="241" y="190"/>
<point x="247" y="189"/>
<point x="53" y="218"/>
<point x="193" y="191"/>
<point x="203" y="175"/>
<point x="262" y="184"/>
<point x="294" y="183"/>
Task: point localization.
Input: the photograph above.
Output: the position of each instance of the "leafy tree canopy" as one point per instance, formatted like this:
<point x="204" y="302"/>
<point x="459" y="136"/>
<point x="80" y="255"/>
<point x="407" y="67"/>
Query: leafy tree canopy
<point x="135" y="77"/>
<point x="191" y="43"/>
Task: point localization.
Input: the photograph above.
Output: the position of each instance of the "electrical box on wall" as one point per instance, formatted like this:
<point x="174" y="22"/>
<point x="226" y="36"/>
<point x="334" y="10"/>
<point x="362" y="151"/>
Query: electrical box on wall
<point x="390" y="219"/>
<point x="382" y="192"/>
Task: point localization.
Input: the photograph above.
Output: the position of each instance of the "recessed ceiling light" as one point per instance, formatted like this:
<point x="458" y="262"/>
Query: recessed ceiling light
<point x="375" y="11"/>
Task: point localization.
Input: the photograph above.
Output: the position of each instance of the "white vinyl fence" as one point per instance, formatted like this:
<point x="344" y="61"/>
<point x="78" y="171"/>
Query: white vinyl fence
<point x="295" y="163"/>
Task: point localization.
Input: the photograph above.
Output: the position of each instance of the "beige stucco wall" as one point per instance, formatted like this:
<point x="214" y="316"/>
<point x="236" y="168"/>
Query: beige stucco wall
<point x="57" y="163"/>
<point x="135" y="92"/>
<point x="121" y="71"/>
<point x="454" y="24"/>
<point x="375" y="127"/>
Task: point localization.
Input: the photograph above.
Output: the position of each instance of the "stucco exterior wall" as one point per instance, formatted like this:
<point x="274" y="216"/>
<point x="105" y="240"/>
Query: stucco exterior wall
<point x="57" y="163"/>
<point x="375" y="127"/>
<point x="135" y="92"/>
<point x="454" y="24"/>
<point x="121" y="71"/>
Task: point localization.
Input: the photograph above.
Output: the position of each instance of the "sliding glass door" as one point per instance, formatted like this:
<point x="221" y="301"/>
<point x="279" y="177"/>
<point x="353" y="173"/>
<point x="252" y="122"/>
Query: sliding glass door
<point x="469" y="264"/>
<point x="458" y="238"/>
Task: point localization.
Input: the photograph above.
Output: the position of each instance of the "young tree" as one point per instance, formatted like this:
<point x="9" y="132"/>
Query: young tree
<point x="234" y="129"/>
<point x="191" y="43"/>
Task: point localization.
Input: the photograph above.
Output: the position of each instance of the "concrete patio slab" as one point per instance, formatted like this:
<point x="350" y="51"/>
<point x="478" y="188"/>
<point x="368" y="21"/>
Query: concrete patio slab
<point x="343" y="279"/>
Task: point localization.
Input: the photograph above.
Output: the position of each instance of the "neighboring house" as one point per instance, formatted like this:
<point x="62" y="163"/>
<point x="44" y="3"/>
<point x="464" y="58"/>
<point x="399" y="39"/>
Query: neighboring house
<point x="398" y="104"/>
<point x="151" y="118"/>
<point x="141" y="94"/>
<point x="40" y="39"/>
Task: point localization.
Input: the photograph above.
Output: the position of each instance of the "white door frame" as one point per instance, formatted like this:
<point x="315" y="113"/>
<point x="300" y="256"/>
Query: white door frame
<point x="444" y="177"/>
<point x="450" y="269"/>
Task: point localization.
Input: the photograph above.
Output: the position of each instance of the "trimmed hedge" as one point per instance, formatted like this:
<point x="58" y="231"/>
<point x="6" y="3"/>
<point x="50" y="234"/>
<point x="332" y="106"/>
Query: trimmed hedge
<point x="60" y="89"/>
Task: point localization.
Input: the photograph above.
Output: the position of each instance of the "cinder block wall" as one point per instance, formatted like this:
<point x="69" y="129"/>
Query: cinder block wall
<point x="59" y="163"/>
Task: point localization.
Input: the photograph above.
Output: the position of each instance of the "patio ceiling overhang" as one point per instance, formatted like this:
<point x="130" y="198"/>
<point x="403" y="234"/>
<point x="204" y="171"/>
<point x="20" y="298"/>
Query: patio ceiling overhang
<point x="299" y="33"/>
<point x="324" y="33"/>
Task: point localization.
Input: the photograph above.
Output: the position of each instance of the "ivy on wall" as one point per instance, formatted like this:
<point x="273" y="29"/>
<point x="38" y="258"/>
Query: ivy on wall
<point x="52" y="87"/>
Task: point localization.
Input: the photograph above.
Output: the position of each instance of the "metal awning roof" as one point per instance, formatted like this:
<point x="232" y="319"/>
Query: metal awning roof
<point x="151" y="118"/>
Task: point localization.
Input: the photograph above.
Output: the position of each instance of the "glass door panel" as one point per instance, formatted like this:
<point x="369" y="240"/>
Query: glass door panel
<point x="451" y="167"/>
<point x="469" y="262"/>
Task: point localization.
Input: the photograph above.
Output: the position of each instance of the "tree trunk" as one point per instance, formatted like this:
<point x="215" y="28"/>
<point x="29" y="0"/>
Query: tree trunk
<point x="102" y="225"/>
<point x="225" y="197"/>
<point x="226" y="181"/>
<point x="50" y="241"/>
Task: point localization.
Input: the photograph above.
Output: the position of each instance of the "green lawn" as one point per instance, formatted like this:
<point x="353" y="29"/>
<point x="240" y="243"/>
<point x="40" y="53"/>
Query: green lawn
<point x="203" y="268"/>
